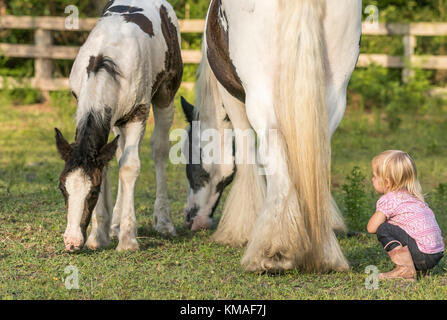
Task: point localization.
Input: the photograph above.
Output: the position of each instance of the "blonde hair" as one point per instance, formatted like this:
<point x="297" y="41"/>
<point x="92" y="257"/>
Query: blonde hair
<point x="400" y="170"/>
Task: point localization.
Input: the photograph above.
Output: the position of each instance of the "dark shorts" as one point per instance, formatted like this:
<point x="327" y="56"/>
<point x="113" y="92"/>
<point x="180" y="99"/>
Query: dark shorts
<point x="388" y="232"/>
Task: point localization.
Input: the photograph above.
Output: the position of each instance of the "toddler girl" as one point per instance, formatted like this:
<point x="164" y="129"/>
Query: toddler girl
<point x="403" y="222"/>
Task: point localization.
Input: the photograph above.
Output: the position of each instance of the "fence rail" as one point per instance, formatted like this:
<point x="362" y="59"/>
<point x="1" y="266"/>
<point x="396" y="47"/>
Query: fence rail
<point x="43" y="51"/>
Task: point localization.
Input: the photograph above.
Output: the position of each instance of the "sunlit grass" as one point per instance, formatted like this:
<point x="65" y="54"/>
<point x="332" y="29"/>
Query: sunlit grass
<point x="190" y="266"/>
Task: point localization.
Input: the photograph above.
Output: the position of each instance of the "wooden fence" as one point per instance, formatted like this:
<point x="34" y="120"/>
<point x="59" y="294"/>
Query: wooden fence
<point x="43" y="50"/>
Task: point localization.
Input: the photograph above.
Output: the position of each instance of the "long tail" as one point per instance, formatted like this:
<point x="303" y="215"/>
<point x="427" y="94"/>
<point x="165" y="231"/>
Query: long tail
<point x="302" y="115"/>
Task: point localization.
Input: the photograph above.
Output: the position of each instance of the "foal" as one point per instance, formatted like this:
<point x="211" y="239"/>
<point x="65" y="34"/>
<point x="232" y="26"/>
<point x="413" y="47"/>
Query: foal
<point x="131" y="59"/>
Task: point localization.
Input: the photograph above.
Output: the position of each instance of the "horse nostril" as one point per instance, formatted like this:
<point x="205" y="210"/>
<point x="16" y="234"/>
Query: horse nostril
<point x="188" y="221"/>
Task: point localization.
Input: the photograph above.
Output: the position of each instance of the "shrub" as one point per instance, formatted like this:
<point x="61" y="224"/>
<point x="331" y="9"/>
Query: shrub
<point x="383" y="90"/>
<point x="356" y="200"/>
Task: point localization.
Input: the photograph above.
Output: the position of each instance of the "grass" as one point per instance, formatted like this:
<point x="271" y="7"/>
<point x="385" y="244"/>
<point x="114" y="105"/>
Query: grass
<point x="190" y="266"/>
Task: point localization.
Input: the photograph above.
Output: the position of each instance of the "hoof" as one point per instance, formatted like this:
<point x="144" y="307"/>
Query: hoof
<point x="95" y="242"/>
<point x="128" y="245"/>
<point x="267" y="264"/>
<point x="166" y="229"/>
<point x="73" y="244"/>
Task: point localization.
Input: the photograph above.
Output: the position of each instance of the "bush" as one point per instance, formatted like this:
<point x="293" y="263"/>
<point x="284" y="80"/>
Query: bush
<point x="438" y="199"/>
<point x="356" y="200"/>
<point x="20" y="96"/>
<point x="379" y="88"/>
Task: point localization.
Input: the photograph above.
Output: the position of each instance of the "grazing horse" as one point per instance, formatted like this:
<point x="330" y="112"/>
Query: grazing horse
<point x="280" y="66"/>
<point x="131" y="59"/>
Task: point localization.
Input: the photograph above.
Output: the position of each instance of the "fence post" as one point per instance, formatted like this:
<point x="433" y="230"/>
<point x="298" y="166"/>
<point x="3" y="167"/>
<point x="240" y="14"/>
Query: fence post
<point x="43" y="68"/>
<point x="409" y="49"/>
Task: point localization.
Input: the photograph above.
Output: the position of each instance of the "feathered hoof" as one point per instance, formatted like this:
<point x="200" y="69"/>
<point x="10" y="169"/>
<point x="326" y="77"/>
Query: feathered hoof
<point x="97" y="241"/>
<point x="337" y="264"/>
<point x="166" y="229"/>
<point x="275" y="264"/>
<point x="229" y="240"/>
<point x="342" y="266"/>
<point x="128" y="245"/>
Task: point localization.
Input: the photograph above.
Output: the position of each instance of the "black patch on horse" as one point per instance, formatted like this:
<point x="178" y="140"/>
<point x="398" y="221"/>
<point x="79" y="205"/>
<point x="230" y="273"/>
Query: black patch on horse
<point x="138" y="113"/>
<point x="107" y="6"/>
<point x="188" y="110"/>
<point x="225" y="182"/>
<point x="99" y="62"/>
<point x="142" y="21"/>
<point x="218" y="52"/>
<point x="168" y="81"/>
<point x="123" y="9"/>
<point x="130" y="14"/>
<point x="191" y="214"/>
<point x="197" y="176"/>
<point x="221" y="187"/>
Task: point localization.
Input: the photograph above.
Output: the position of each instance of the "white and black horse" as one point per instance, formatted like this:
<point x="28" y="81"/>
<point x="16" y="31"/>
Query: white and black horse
<point x="131" y="59"/>
<point x="274" y="65"/>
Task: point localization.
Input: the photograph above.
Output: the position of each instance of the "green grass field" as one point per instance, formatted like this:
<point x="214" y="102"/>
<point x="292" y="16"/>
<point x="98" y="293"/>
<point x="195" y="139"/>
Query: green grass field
<point x="190" y="266"/>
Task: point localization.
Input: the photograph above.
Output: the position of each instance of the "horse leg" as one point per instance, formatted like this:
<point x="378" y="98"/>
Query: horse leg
<point x="276" y="239"/>
<point x="115" y="227"/>
<point x="341" y="61"/>
<point x="129" y="170"/>
<point x="99" y="236"/>
<point x="336" y="100"/>
<point x="248" y="189"/>
<point x="163" y="117"/>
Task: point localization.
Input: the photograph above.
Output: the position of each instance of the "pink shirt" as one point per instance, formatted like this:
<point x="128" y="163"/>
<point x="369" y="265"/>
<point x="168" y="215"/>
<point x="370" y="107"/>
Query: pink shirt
<point x="415" y="217"/>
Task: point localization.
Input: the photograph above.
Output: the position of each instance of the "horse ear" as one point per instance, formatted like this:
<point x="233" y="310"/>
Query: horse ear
<point x="63" y="147"/>
<point x="107" y="152"/>
<point x="188" y="110"/>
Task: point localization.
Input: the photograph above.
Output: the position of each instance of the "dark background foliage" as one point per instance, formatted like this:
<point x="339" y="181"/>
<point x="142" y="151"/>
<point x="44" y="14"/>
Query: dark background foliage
<point x="370" y="88"/>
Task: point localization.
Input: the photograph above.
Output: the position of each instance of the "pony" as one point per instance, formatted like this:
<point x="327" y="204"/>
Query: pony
<point x="283" y="66"/>
<point x="131" y="59"/>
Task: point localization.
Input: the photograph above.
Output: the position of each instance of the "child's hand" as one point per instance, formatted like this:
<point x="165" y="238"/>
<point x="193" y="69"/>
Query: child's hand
<point x="376" y="220"/>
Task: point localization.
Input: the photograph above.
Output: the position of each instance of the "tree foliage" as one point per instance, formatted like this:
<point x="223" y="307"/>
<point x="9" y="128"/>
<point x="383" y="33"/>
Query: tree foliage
<point x="373" y="87"/>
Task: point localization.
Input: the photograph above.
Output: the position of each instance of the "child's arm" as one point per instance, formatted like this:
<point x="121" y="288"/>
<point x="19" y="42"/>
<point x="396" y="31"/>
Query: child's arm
<point x="376" y="220"/>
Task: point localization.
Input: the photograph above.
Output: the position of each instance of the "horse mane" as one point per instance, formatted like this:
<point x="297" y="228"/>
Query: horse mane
<point x="91" y="135"/>
<point x="103" y="62"/>
<point x="207" y="93"/>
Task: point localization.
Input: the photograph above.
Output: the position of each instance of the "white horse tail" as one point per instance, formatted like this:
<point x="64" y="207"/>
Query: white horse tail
<point x="301" y="110"/>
